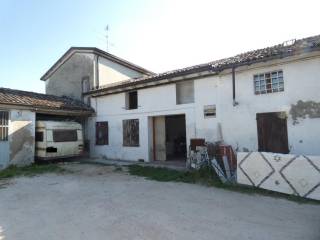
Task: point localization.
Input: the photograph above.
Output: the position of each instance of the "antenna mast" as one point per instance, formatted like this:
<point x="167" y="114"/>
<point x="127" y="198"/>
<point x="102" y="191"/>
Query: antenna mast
<point x="107" y="36"/>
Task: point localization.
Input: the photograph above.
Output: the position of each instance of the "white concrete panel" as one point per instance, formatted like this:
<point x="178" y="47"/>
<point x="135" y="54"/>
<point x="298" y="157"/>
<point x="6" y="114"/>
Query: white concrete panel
<point x="286" y="173"/>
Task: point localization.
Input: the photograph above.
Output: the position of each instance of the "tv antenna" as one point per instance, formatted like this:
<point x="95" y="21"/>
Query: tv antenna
<point x="107" y="36"/>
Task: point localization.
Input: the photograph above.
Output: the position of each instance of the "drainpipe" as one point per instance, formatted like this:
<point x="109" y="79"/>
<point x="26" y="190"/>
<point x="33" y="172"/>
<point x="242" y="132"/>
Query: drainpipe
<point x="96" y="72"/>
<point x="234" y="102"/>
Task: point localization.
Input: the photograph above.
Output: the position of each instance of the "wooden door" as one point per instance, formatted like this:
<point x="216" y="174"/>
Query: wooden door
<point x="159" y="131"/>
<point x="272" y="132"/>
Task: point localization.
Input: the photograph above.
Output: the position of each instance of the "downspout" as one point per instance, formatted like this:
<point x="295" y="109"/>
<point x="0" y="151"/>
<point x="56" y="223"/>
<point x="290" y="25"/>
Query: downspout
<point x="234" y="102"/>
<point x="96" y="72"/>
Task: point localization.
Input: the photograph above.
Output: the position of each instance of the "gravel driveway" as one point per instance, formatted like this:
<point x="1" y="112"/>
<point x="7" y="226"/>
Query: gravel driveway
<point x="97" y="202"/>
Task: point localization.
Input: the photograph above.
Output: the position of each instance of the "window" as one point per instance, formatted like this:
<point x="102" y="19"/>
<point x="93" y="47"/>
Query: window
<point x="102" y="134"/>
<point x="209" y="111"/>
<point x="268" y="82"/>
<point x="39" y="136"/>
<point x="185" y="92"/>
<point x="132" y="100"/>
<point x="85" y="84"/>
<point x="4" y="125"/>
<point x="64" y="135"/>
<point x="131" y="132"/>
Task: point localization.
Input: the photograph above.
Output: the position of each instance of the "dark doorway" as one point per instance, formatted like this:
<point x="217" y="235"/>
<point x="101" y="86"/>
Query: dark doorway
<point x="272" y="132"/>
<point x="176" y="148"/>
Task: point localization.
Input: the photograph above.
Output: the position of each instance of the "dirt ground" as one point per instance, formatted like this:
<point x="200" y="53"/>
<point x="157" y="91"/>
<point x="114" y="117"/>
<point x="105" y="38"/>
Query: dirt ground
<point x="97" y="202"/>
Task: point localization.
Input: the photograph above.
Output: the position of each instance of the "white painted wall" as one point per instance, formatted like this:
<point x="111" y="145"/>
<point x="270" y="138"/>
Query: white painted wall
<point x="111" y="72"/>
<point x="238" y="123"/>
<point x="158" y="101"/>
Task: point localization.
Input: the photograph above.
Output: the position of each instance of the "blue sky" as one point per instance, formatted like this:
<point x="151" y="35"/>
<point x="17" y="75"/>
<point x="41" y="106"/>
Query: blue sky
<point x="158" y="35"/>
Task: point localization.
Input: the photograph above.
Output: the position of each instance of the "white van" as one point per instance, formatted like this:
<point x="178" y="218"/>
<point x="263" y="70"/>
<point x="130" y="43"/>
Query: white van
<point x="58" y="139"/>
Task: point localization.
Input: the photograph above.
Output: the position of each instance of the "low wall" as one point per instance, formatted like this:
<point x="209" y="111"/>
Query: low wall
<point x="286" y="173"/>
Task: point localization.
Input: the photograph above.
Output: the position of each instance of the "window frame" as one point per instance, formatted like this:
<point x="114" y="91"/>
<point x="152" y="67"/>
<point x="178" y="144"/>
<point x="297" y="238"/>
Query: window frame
<point x="73" y="139"/>
<point x="87" y="81"/>
<point x="129" y="100"/>
<point x="130" y="138"/>
<point x="4" y="126"/>
<point x="268" y="82"/>
<point x="210" y="111"/>
<point x="101" y="126"/>
<point x="179" y="98"/>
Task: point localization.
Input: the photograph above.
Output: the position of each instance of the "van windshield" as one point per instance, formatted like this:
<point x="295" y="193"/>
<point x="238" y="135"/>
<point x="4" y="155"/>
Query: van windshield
<point x="64" y="135"/>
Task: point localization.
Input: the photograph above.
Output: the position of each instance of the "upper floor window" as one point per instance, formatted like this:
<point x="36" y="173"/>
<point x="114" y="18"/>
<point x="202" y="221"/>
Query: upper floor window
<point x="185" y="92"/>
<point x="268" y="82"/>
<point x="132" y="100"/>
<point x="85" y="85"/>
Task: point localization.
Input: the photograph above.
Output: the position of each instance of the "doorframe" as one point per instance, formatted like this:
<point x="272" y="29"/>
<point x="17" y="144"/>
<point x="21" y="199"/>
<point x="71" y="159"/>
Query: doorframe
<point x="154" y="135"/>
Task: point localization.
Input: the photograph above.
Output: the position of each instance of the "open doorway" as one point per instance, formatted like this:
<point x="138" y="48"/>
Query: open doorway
<point x="169" y="138"/>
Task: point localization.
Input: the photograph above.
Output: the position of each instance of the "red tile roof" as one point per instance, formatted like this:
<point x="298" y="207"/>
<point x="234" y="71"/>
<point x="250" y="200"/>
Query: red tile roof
<point x="43" y="101"/>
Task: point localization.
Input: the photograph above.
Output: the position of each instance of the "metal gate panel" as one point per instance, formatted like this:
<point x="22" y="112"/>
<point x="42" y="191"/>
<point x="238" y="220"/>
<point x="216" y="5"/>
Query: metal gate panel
<point x="4" y="154"/>
<point x="4" y="137"/>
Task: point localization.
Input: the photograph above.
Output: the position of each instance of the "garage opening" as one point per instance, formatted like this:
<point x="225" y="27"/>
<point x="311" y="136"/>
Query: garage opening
<point x="169" y="138"/>
<point x="272" y="132"/>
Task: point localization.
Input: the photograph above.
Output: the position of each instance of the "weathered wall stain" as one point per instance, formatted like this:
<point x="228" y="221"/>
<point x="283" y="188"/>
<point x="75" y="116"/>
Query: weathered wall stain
<point x="67" y="80"/>
<point x="21" y="139"/>
<point x="304" y="109"/>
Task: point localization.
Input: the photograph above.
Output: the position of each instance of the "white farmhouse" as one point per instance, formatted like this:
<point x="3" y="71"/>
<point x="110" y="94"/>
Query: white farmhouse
<point x="263" y="100"/>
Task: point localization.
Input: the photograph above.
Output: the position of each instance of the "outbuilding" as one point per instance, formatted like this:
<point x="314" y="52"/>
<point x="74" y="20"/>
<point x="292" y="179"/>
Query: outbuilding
<point x="19" y="111"/>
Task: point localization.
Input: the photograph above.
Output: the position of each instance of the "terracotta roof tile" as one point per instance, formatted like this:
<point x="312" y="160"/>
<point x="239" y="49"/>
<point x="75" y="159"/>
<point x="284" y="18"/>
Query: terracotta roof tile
<point x="38" y="100"/>
<point x="286" y="49"/>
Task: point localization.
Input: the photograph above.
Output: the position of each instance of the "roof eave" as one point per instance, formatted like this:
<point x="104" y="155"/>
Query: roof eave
<point x="44" y="109"/>
<point x="208" y="67"/>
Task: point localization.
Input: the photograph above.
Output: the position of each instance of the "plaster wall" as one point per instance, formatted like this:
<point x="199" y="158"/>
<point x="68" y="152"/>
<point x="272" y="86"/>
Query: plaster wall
<point x="111" y="72"/>
<point x="21" y="137"/>
<point x="238" y="123"/>
<point x="67" y="80"/>
<point x="151" y="103"/>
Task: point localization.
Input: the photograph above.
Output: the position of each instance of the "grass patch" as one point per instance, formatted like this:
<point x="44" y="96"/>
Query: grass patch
<point x="203" y="176"/>
<point x="206" y="176"/>
<point x="31" y="170"/>
<point x="117" y="169"/>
